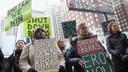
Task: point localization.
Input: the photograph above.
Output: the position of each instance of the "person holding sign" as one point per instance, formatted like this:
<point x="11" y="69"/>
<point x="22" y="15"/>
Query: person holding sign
<point x="27" y="56"/>
<point x="64" y="49"/>
<point x="117" y="45"/>
<point x="73" y="58"/>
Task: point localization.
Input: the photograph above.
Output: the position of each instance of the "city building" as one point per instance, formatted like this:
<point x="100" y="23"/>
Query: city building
<point x="121" y="13"/>
<point x="94" y="20"/>
<point x="56" y="18"/>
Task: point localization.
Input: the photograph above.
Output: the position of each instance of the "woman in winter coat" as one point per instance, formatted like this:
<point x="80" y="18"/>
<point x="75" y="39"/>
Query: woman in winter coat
<point x="27" y="56"/>
<point x="72" y="57"/>
<point x="117" y="45"/>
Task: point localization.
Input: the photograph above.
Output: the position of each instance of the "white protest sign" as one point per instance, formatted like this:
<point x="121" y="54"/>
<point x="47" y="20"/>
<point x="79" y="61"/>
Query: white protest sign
<point x="46" y="55"/>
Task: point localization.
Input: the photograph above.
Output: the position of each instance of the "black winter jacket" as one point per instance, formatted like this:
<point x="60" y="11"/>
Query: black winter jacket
<point x="1" y="61"/>
<point x="117" y="45"/>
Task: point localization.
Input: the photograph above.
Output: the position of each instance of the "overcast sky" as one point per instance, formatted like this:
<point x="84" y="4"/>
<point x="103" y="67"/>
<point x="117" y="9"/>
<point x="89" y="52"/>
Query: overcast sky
<point x="5" y="5"/>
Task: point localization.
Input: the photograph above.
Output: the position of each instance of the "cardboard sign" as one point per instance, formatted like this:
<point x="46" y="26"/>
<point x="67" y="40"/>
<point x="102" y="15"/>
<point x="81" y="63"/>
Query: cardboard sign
<point x="32" y="24"/>
<point x="18" y="14"/>
<point x="93" y="55"/>
<point x="69" y="28"/>
<point x="46" y="57"/>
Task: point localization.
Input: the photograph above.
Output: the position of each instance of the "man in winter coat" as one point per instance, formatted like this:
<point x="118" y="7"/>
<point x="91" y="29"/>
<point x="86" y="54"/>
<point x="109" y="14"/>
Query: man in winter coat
<point x="27" y="56"/>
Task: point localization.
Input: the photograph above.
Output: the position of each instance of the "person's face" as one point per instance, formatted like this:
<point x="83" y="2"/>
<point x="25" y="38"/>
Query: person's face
<point x="40" y="34"/>
<point x="114" y="27"/>
<point x="61" y="44"/>
<point x="20" y="44"/>
<point x="83" y="30"/>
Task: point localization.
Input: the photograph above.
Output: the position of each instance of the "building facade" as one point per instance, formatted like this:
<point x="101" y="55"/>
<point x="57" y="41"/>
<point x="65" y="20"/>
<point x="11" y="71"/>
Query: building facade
<point x="94" y="20"/>
<point x="121" y="13"/>
<point x="56" y="18"/>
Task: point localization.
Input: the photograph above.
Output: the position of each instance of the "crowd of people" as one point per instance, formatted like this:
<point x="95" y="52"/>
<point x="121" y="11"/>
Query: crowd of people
<point x="22" y="60"/>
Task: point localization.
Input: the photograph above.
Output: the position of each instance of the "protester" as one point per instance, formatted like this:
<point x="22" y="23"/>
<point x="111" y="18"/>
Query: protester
<point x="117" y="45"/>
<point x="27" y="56"/>
<point x="64" y="49"/>
<point x="72" y="57"/>
<point x="14" y="58"/>
<point x="1" y="61"/>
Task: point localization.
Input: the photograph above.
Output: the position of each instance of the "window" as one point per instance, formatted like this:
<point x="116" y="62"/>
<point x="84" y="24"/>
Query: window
<point x="97" y="20"/>
<point x="86" y="14"/>
<point x="119" y="14"/>
<point x="124" y="20"/>
<point x="88" y="24"/>
<point x="126" y="24"/>
<point x="81" y="17"/>
<point x="119" y="26"/>
<point x="87" y="3"/>
<point x="90" y="28"/>
<point x="91" y="1"/>
<point x="99" y="1"/>
<point x="122" y="24"/>
<point x="117" y="7"/>
<point x="123" y="28"/>
<point x="93" y="27"/>
<point x="90" y="17"/>
<point x="91" y="22"/>
<point x="120" y="29"/>
<point x="118" y="11"/>
<point x="96" y="15"/>
<point x="115" y="12"/>
<point x="87" y="19"/>
<point x="117" y="19"/>
<point x="121" y="21"/>
<point x="116" y="15"/>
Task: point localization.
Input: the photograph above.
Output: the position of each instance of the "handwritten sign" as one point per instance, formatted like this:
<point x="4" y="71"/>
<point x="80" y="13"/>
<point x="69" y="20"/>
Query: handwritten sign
<point x="69" y="28"/>
<point x="93" y="55"/>
<point x="46" y="57"/>
<point x="18" y="14"/>
<point x="31" y="24"/>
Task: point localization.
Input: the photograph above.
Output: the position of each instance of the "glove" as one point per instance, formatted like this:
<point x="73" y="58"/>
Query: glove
<point x="32" y="70"/>
<point x="124" y="58"/>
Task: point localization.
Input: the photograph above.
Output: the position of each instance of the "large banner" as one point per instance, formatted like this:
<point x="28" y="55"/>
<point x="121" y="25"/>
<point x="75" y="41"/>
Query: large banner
<point x="18" y="14"/>
<point x="32" y="24"/>
<point x="69" y="28"/>
<point x="89" y="6"/>
<point x="93" y="55"/>
<point x="46" y="57"/>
